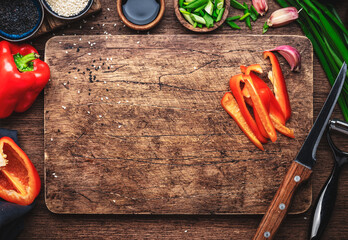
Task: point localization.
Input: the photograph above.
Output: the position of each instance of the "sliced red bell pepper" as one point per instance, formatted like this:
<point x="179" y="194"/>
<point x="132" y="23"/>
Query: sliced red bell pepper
<point x="19" y="180"/>
<point x="282" y="128"/>
<point x="260" y="108"/>
<point x="280" y="91"/>
<point x="235" y="82"/>
<point x="253" y="67"/>
<point x="231" y="107"/>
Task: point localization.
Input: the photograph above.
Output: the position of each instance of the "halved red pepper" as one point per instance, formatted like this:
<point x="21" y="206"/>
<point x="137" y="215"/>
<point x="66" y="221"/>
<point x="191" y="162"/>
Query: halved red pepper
<point x="235" y="82"/>
<point x="280" y="91"/>
<point x="19" y="181"/>
<point x="231" y="107"/>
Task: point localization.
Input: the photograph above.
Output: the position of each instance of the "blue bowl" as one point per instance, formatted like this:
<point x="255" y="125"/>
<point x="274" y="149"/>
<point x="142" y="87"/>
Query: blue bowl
<point x="80" y="14"/>
<point x="31" y="32"/>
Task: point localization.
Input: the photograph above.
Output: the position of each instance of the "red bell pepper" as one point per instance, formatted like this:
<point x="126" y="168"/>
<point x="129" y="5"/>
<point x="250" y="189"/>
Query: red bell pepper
<point x="19" y="180"/>
<point x="280" y="91"/>
<point x="260" y="108"/>
<point x="22" y="77"/>
<point x="231" y="107"/>
<point x="235" y="82"/>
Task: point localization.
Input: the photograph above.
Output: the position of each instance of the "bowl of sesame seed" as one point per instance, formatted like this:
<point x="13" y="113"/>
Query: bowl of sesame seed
<point x="67" y="9"/>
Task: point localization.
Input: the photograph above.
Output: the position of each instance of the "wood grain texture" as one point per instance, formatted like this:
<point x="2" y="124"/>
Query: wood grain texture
<point x="145" y="132"/>
<point x="40" y="223"/>
<point x="296" y="175"/>
<point x="52" y="23"/>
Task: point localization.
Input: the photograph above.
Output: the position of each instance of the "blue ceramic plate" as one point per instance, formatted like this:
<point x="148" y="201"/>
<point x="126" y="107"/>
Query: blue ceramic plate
<point x="26" y="35"/>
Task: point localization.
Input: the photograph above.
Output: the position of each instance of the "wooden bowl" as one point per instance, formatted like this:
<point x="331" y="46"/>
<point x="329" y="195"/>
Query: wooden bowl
<point x="187" y="25"/>
<point x="141" y="27"/>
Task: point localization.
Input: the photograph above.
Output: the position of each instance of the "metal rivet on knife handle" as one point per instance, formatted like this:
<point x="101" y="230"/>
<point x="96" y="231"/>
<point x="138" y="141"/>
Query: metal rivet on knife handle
<point x="267" y="234"/>
<point x="297" y="178"/>
<point x="282" y="206"/>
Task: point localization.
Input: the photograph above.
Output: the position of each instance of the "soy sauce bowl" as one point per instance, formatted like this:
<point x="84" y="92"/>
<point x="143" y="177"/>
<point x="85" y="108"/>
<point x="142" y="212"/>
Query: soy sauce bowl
<point x="31" y="32"/>
<point x="53" y="13"/>
<point x="136" y="26"/>
<point x="187" y="25"/>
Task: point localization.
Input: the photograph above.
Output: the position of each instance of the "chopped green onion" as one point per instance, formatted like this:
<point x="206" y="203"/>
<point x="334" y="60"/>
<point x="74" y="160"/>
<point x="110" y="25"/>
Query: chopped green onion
<point x="237" y="5"/>
<point x="197" y="18"/>
<point x="221" y="12"/>
<point x="209" y="21"/>
<point x="233" y="24"/>
<point x="253" y="13"/>
<point x="195" y="24"/>
<point x="183" y="11"/>
<point x="209" y="8"/>
<point x="234" y="18"/>
<point x="199" y="9"/>
<point x="199" y="25"/>
<point x="265" y="28"/>
<point x="247" y="19"/>
<point x="219" y="4"/>
<point x="181" y="3"/>
<point x="197" y="3"/>
<point x="244" y="16"/>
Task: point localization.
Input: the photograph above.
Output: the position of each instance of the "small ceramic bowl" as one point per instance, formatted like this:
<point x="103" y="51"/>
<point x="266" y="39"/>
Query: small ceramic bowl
<point x="80" y="14"/>
<point x="187" y="25"/>
<point x="31" y="32"/>
<point x="141" y="27"/>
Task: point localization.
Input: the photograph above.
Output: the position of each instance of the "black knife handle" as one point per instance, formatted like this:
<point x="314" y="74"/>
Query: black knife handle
<point x="324" y="205"/>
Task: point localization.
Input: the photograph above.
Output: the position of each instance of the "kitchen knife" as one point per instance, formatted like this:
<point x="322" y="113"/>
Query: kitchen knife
<point x="301" y="169"/>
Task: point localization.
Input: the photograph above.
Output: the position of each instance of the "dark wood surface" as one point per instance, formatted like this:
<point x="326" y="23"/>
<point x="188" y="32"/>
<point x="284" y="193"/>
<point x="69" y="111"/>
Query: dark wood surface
<point x="42" y="224"/>
<point x="135" y="136"/>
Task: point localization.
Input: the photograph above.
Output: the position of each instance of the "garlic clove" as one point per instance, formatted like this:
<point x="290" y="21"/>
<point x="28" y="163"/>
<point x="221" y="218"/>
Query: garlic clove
<point x="291" y="54"/>
<point x="260" y="6"/>
<point x="282" y="17"/>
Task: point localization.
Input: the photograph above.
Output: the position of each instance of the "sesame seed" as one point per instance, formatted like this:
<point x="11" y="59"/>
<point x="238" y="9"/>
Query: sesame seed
<point x="64" y="107"/>
<point x="67" y="8"/>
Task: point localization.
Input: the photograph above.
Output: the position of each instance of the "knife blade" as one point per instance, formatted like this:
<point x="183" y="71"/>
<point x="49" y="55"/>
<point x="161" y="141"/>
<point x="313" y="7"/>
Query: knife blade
<point x="301" y="168"/>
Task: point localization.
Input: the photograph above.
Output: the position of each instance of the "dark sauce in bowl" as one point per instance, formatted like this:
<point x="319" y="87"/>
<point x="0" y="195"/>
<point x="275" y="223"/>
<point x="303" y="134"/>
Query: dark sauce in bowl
<point x="140" y="12"/>
<point x="18" y="16"/>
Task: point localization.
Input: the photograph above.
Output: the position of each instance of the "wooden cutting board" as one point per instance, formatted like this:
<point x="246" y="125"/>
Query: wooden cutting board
<point x="133" y="125"/>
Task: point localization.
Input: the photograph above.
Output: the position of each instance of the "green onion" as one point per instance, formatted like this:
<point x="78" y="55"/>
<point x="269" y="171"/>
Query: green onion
<point x="219" y="4"/>
<point x="253" y="13"/>
<point x="209" y="21"/>
<point x="329" y="37"/>
<point x="237" y="5"/>
<point x="197" y="18"/>
<point x="199" y="9"/>
<point x="247" y="19"/>
<point x="209" y="8"/>
<point x="244" y="16"/>
<point x="181" y="3"/>
<point x="265" y="28"/>
<point x="197" y="3"/>
<point x="221" y="12"/>
<point x="234" y="18"/>
<point x="233" y="24"/>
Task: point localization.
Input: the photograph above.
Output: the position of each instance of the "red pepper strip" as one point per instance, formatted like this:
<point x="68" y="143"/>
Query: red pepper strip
<point x="22" y="77"/>
<point x="268" y="98"/>
<point x="231" y="107"/>
<point x="19" y="180"/>
<point x="281" y="128"/>
<point x="259" y="124"/>
<point x="269" y="101"/>
<point x="280" y="91"/>
<point x="237" y="93"/>
<point x="246" y="70"/>
<point x="260" y="108"/>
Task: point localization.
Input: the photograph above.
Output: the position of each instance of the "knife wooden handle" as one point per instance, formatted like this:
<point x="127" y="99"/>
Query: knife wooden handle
<point x="280" y="204"/>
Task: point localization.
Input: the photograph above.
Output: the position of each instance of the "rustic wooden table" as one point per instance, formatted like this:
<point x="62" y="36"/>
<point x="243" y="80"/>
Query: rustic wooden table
<point x="42" y="224"/>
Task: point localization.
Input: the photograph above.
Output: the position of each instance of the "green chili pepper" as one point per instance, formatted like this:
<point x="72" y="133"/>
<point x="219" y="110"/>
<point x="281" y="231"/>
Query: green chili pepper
<point x="234" y="18"/>
<point x="244" y="16"/>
